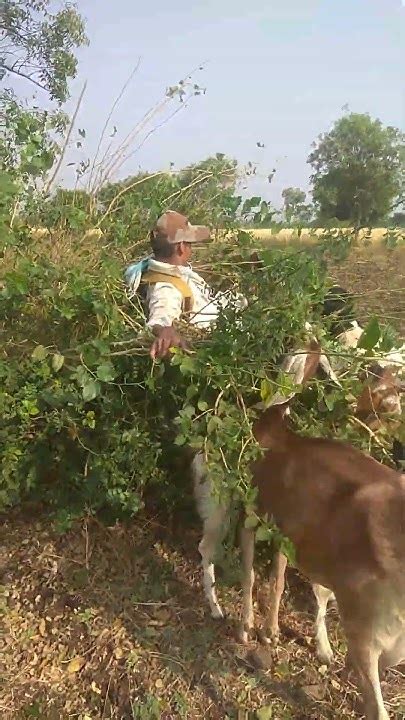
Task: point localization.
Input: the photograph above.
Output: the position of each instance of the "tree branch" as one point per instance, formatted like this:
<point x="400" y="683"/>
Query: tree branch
<point x="65" y="144"/>
<point x="9" y="69"/>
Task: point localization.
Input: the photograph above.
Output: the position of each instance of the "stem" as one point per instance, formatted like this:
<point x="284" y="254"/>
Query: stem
<point x="65" y="144"/>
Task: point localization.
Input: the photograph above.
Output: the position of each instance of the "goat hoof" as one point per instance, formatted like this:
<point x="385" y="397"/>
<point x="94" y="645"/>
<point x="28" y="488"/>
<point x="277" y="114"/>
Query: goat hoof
<point x="325" y="656"/>
<point x="273" y="637"/>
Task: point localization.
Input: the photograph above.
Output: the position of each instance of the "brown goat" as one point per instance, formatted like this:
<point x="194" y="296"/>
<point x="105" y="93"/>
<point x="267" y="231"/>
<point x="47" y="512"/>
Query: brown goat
<point x="380" y="397"/>
<point x="349" y="535"/>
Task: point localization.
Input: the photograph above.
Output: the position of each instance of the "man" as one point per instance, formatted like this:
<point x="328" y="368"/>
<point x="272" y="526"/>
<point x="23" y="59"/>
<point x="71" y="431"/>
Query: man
<point x="173" y="289"/>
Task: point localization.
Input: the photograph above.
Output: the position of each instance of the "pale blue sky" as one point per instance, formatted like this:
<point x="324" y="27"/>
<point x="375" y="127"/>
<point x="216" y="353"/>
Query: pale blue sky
<point x="276" y="71"/>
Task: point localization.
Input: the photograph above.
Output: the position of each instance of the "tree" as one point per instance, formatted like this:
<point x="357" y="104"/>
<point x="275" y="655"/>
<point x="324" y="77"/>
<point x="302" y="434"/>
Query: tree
<point x="204" y="191"/>
<point x="296" y="210"/>
<point x="29" y="147"/>
<point x="358" y="168"/>
<point x="37" y="44"/>
<point x="207" y="189"/>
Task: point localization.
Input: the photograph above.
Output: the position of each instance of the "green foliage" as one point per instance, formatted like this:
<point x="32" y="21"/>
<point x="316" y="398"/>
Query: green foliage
<point x="358" y="170"/>
<point x="88" y="422"/>
<point x="205" y="191"/>
<point x="125" y="211"/>
<point x="29" y="146"/>
<point x="38" y="44"/>
<point x="8" y="194"/>
<point x="65" y="210"/>
<point x="69" y="432"/>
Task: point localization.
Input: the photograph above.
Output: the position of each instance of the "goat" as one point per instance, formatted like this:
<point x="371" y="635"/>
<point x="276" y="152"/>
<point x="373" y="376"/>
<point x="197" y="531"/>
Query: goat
<point x="349" y="536"/>
<point x="213" y="513"/>
<point x="380" y="397"/>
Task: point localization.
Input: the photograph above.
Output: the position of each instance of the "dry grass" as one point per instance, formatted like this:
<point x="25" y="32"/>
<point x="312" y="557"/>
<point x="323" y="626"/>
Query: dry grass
<point x="377" y="276"/>
<point x="110" y="623"/>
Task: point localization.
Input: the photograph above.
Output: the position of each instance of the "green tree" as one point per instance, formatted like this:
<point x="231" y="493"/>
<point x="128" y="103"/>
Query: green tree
<point x="358" y="168"/>
<point x="29" y="146"/>
<point x="296" y="210"/>
<point x="38" y="44"/>
<point x="205" y="191"/>
<point x="209" y="187"/>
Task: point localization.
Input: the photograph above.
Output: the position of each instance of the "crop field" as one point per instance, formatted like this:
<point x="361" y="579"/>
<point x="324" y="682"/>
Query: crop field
<point x="106" y="623"/>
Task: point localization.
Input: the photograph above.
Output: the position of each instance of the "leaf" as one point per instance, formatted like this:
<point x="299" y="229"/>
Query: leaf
<point x="39" y="354"/>
<point x="251" y="521"/>
<point x="90" y="390"/>
<point x="314" y="692"/>
<point x="264" y="713"/>
<point x="76" y="664"/>
<point x="187" y="366"/>
<point x="266" y="390"/>
<point x="213" y="423"/>
<point x="42" y="627"/>
<point x="180" y="440"/>
<point x="263" y="533"/>
<point x="371" y="335"/>
<point x="188" y="411"/>
<point x="329" y="401"/>
<point x="106" y="372"/>
<point x="57" y="361"/>
<point x="202" y="405"/>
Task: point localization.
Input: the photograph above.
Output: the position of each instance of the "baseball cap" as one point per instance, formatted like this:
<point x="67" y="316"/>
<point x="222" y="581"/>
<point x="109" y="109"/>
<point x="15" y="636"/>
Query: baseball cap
<point x="173" y="228"/>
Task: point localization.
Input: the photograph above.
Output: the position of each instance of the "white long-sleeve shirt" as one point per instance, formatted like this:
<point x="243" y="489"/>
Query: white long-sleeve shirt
<point x="165" y="301"/>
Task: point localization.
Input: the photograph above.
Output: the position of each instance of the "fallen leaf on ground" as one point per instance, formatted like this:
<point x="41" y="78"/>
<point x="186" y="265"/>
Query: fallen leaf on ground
<point x="314" y="692"/>
<point x="76" y="665"/>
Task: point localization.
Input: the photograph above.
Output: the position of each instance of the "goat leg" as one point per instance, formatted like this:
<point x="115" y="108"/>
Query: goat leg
<point x="247" y="545"/>
<point x="323" y="648"/>
<point x="276" y="584"/>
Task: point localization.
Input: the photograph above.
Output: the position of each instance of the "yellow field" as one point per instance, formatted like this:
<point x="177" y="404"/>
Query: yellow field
<point x="286" y="235"/>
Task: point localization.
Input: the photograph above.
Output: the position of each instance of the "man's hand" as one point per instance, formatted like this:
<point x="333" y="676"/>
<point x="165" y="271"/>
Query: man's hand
<point x="167" y="337"/>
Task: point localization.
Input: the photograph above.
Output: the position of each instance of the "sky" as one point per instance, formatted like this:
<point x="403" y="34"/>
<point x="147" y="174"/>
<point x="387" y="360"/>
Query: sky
<point x="278" y="72"/>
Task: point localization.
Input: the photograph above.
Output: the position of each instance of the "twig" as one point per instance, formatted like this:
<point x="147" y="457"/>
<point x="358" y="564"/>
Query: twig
<point x="372" y="434"/>
<point x="65" y="144"/>
<point x="86" y="545"/>
<point x="23" y="75"/>
<point x="109" y="116"/>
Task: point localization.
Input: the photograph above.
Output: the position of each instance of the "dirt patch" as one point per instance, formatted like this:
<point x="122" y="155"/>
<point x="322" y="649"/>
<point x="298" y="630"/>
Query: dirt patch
<point x="111" y="623"/>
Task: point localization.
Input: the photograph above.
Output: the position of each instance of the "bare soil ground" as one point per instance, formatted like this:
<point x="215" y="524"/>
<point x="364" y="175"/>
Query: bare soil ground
<point x="111" y="624"/>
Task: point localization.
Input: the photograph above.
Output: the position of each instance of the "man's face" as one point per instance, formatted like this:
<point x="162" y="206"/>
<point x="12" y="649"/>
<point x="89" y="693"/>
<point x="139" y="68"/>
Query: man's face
<point x="184" y="252"/>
